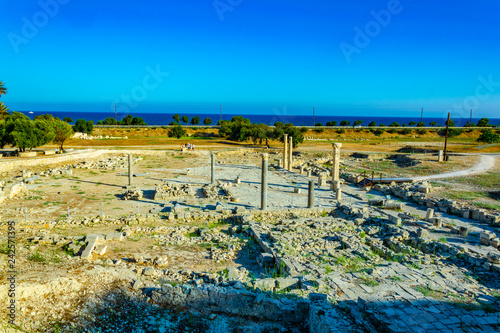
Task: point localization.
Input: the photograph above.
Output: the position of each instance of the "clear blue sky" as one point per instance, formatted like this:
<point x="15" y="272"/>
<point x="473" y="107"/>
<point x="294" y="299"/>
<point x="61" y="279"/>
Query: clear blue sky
<point x="265" y="53"/>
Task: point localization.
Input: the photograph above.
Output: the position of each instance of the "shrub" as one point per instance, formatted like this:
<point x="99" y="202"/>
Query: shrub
<point x="489" y="137"/>
<point x="422" y="131"/>
<point x="331" y="123"/>
<point x="177" y="132"/>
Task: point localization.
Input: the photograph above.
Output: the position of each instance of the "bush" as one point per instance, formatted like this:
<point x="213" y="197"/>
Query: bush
<point x="177" y="132"/>
<point x="452" y="132"/>
<point x="319" y="130"/>
<point x="373" y="123"/>
<point x="483" y="122"/>
<point x="341" y="131"/>
<point x="378" y="131"/>
<point x="405" y="131"/>
<point x="345" y="123"/>
<point x="422" y="131"/>
<point x="318" y="124"/>
<point x="207" y="121"/>
<point x="84" y="126"/>
<point x="392" y="131"/>
<point x="331" y="123"/>
<point x="489" y="136"/>
<point x="421" y="124"/>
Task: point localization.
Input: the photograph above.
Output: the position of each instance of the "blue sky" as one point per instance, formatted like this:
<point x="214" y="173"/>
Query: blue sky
<point x="75" y="55"/>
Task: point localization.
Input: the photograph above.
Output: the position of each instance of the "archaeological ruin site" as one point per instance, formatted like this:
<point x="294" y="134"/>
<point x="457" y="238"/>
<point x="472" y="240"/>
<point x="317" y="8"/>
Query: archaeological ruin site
<point x="249" y="240"/>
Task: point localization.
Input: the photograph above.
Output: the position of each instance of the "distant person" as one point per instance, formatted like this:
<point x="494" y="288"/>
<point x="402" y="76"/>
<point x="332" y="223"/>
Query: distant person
<point x="192" y="147"/>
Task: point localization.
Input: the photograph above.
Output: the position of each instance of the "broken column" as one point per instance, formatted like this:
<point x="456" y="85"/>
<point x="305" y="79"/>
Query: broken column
<point x="130" y="174"/>
<point x="285" y="151"/>
<point x="263" y="199"/>
<point x="212" y="170"/>
<point x="290" y="153"/>
<point x="335" y="166"/>
<point x="441" y="156"/>
<point x="338" y="193"/>
<point x="430" y="214"/>
<point x="310" y="200"/>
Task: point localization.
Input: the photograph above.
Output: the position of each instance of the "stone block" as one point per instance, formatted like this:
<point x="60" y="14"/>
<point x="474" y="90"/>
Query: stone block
<point x="284" y="283"/>
<point x="92" y="241"/>
<point x="421" y="232"/>
<point x="114" y="236"/>
<point x="437" y="222"/>
<point x="464" y="231"/>
<point x="265" y="284"/>
<point x="101" y="249"/>
<point x="495" y="242"/>
<point x="395" y="220"/>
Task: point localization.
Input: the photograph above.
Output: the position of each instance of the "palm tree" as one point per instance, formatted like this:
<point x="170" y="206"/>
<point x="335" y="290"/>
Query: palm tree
<point x="4" y="110"/>
<point x="3" y="90"/>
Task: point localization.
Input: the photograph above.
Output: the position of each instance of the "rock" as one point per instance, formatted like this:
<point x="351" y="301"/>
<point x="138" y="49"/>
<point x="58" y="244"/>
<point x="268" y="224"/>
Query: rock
<point x="267" y="284"/>
<point x="148" y="271"/>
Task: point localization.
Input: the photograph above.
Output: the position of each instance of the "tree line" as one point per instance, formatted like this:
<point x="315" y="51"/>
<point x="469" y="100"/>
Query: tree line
<point x="18" y="130"/>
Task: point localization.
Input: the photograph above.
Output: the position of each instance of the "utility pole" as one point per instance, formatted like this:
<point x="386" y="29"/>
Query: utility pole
<point x="115" y="114"/>
<point x="446" y="137"/>
<point x="220" y="121"/>
<point x="314" y="118"/>
<point x="470" y="122"/>
<point x="422" y="115"/>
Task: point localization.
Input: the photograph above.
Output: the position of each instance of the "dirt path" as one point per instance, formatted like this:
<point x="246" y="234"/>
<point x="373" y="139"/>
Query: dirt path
<point x="486" y="163"/>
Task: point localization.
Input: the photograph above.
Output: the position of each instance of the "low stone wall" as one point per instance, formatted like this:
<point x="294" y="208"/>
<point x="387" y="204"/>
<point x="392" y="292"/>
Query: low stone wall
<point x="316" y="312"/>
<point x="8" y="165"/>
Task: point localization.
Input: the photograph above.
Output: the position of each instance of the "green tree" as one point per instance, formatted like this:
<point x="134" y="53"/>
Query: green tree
<point x="127" y="120"/>
<point x="84" y="126"/>
<point x="44" y="132"/>
<point x="483" y="122"/>
<point x="176" y="118"/>
<point x="20" y="133"/>
<point x="358" y="122"/>
<point x="331" y="123"/>
<point x="47" y="117"/>
<point x="177" y="132"/>
<point x="185" y="119"/>
<point x="318" y="124"/>
<point x="3" y="90"/>
<point x="373" y="123"/>
<point x="68" y="120"/>
<point x="433" y="123"/>
<point x="451" y="124"/>
<point x="207" y="121"/>
<point x="280" y="129"/>
<point x="421" y="124"/>
<point x="412" y="123"/>
<point x="489" y="136"/>
<point x="62" y="132"/>
<point x="109" y="121"/>
<point x="394" y="124"/>
<point x="345" y="123"/>
<point x="195" y="120"/>
<point x="138" y="121"/>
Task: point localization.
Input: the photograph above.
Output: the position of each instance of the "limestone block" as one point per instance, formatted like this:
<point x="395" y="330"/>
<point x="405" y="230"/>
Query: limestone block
<point x="114" y="236"/>
<point x="101" y="249"/>
<point x="495" y="242"/>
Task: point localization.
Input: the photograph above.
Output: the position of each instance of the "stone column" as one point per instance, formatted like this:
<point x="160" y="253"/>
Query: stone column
<point x="310" y="201"/>
<point x="336" y="165"/>
<point x="290" y="153"/>
<point x="130" y="173"/>
<point x="263" y="198"/>
<point x="338" y="192"/>
<point x="212" y="166"/>
<point x="285" y="151"/>
<point x="441" y="156"/>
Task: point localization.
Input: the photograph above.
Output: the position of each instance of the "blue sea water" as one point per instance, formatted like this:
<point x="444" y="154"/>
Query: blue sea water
<point x="269" y="119"/>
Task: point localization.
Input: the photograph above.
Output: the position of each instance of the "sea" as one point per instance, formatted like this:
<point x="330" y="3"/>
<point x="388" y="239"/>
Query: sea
<point x="162" y="119"/>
